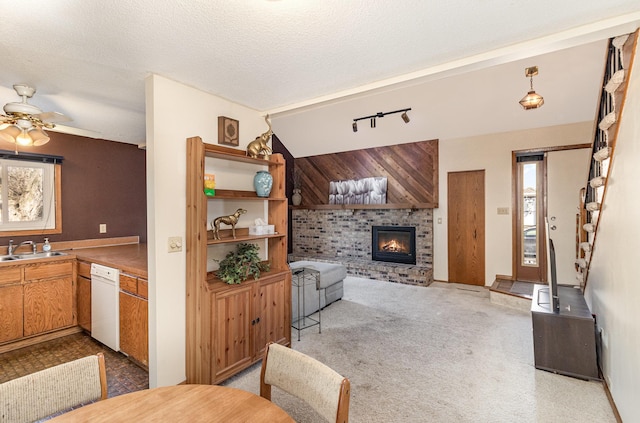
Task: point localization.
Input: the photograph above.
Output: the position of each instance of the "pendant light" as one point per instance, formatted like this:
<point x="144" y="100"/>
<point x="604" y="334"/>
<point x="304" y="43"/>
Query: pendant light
<point x="532" y="100"/>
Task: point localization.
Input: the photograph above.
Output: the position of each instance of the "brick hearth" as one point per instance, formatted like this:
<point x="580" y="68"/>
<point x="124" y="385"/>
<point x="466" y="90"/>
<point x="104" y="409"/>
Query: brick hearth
<point x="344" y="236"/>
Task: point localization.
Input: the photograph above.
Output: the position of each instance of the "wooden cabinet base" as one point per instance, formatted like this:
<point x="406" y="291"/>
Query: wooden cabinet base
<point x="25" y="342"/>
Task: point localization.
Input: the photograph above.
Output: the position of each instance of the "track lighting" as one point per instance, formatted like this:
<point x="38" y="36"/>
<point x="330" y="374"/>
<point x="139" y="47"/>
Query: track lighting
<point x="532" y="100"/>
<point x="373" y="118"/>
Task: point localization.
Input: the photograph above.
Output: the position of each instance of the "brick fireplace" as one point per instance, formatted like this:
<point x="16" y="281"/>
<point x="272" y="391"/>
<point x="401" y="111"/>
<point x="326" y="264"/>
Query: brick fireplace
<point x="345" y="236"/>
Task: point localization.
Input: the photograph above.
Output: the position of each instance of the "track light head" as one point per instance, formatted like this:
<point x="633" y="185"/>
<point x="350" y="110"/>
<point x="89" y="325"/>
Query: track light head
<point x="405" y="117"/>
<point x="355" y="126"/>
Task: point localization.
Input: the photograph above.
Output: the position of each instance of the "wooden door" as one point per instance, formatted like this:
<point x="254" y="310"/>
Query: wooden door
<point x="134" y="327"/>
<point x="232" y="331"/>
<point x="272" y="323"/>
<point x="465" y="202"/>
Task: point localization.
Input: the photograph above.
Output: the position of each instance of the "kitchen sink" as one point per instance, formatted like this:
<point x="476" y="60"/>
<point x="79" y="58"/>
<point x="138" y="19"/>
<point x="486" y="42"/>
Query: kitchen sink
<point x="44" y="254"/>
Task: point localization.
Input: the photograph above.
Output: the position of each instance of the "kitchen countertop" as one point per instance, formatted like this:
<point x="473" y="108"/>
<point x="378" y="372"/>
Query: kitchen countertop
<point x="129" y="258"/>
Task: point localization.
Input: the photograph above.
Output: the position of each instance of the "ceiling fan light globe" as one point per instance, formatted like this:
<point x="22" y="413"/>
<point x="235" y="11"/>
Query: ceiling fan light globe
<point x="39" y="137"/>
<point x="10" y="133"/>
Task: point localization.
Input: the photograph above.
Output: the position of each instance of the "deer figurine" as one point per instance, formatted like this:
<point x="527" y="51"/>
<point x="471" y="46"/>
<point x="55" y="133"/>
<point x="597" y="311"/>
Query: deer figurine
<point x="232" y="219"/>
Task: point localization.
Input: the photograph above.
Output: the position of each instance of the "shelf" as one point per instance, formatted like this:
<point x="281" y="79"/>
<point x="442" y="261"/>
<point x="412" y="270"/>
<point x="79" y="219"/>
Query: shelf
<point x="228" y="194"/>
<point x="242" y="235"/>
<point x="367" y="206"/>
<point x="236" y="154"/>
<point x="215" y="283"/>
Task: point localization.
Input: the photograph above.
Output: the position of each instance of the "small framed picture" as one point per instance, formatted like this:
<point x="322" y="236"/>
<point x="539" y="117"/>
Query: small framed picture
<point x="228" y="131"/>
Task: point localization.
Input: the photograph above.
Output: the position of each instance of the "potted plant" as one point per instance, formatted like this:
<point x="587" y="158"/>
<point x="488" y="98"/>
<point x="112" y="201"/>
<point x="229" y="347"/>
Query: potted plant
<point x="239" y="264"/>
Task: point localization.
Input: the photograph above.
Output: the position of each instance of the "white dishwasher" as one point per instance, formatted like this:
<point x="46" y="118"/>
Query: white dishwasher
<point x="105" y="307"/>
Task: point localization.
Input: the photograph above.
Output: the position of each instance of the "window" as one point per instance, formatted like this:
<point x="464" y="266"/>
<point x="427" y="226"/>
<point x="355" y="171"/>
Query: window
<point x="29" y="197"/>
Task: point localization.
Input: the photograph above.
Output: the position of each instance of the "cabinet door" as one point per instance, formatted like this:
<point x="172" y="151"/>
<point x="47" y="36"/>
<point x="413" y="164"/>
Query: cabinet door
<point x="231" y="331"/>
<point x="48" y="305"/>
<point x="83" y="302"/>
<point x="10" y="312"/>
<point x="134" y="327"/>
<point x="273" y="324"/>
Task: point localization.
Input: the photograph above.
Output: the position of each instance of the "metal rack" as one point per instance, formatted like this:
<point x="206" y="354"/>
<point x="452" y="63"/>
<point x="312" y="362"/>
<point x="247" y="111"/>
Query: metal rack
<point x="300" y="279"/>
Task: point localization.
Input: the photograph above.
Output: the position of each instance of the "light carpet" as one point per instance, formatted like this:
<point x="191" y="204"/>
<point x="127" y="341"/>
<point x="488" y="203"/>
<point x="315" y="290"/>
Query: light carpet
<point x="442" y="353"/>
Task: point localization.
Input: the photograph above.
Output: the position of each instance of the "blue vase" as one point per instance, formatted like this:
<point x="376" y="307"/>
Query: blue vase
<point x="262" y="182"/>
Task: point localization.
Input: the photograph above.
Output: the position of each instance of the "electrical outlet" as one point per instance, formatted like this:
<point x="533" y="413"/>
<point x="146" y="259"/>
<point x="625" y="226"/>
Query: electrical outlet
<point x="103" y="228"/>
<point x="503" y="210"/>
<point x="175" y="244"/>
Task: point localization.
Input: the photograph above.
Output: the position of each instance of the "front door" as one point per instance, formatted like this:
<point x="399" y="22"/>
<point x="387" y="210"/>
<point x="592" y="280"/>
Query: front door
<point x="465" y="202"/>
<point x="566" y="174"/>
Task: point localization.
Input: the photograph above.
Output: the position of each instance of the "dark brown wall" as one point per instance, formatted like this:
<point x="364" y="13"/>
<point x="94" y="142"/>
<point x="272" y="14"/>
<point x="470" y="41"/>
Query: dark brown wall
<point x="411" y="170"/>
<point x="279" y="147"/>
<point x="102" y="182"/>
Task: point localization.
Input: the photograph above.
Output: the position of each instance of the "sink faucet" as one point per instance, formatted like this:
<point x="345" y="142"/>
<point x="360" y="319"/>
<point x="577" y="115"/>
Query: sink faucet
<point x="12" y="248"/>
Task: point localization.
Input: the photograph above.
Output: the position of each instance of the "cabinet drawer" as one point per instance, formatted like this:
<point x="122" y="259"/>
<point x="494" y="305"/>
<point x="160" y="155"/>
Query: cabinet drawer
<point x="143" y="288"/>
<point x="84" y="269"/>
<point x="10" y="275"/>
<point x="128" y="284"/>
<point x="48" y="270"/>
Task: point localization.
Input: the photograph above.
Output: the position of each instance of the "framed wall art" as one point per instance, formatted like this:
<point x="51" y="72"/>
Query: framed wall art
<point x="228" y="131"/>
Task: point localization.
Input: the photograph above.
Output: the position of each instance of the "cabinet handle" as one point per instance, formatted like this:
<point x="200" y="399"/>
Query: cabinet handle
<point x="258" y="320"/>
<point x="253" y="322"/>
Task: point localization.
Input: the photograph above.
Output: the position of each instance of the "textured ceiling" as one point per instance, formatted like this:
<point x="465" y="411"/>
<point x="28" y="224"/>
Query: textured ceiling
<point x="88" y="58"/>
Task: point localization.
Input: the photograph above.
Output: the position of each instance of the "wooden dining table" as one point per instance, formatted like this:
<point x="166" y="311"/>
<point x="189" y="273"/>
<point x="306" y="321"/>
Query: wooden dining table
<point x="188" y="403"/>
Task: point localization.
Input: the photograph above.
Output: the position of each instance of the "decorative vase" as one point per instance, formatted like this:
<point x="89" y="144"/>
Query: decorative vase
<point x="262" y="182"/>
<point x="296" y="198"/>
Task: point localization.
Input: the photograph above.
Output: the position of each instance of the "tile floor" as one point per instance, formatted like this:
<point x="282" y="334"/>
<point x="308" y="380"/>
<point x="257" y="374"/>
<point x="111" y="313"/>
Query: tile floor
<point x="122" y="375"/>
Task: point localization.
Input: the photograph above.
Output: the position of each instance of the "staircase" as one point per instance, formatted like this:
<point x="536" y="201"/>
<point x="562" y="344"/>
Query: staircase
<point x="620" y="59"/>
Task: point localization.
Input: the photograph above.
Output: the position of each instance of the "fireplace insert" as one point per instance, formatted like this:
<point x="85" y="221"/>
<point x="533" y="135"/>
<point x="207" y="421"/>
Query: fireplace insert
<point x="396" y="244"/>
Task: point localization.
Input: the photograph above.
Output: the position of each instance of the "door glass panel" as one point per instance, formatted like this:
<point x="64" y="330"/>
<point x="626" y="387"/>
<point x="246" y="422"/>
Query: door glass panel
<point x="528" y="206"/>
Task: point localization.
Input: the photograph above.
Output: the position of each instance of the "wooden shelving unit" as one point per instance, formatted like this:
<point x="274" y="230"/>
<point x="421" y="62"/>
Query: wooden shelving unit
<point x="228" y="326"/>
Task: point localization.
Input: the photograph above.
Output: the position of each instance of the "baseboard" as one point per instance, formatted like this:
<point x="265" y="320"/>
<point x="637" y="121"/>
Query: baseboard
<point x="612" y="403"/>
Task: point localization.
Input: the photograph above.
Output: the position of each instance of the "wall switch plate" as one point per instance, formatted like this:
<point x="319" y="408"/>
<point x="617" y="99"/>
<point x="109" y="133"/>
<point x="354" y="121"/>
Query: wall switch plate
<point x="103" y="228"/>
<point x="175" y="244"/>
<point x="439" y="221"/>
<point x="503" y="210"/>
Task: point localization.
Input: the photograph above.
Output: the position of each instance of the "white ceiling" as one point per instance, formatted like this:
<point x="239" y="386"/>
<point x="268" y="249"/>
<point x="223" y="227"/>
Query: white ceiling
<point x="88" y="58"/>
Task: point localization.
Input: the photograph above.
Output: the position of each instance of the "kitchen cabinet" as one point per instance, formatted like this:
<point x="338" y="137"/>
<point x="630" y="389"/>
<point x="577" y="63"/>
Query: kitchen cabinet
<point x="134" y="318"/>
<point x="10" y="304"/>
<point x="48" y="297"/>
<point x="228" y="326"/>
<point x="83" y="295"/>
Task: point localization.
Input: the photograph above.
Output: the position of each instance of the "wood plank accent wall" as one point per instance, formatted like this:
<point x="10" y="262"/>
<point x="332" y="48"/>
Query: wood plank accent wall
<point x="411" y="170"/>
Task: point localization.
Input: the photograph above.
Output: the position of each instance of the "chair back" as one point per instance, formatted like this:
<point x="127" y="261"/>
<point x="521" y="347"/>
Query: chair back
<point x="318" y="385"/>
<point x="59" y="388"/>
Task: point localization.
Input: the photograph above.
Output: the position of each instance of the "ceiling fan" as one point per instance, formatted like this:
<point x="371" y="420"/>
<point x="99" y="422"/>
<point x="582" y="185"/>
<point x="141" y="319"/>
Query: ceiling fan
<point x="23" y="123"/>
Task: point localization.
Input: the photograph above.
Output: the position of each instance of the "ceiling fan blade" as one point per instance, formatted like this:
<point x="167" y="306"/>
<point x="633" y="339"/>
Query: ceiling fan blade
<point x="53" y="117"/>
<point x="64" y="129"/>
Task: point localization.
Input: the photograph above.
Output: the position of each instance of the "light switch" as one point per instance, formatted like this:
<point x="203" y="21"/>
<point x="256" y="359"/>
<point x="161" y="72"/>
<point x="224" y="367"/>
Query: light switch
<point x="439" y="221"/>
<point x="103" y="228"/>
<point x="503" y="210"/>
<point x="175" y="244"/>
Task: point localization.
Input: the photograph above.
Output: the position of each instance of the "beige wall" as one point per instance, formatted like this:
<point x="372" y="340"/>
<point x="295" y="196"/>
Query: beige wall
<point x="613" y="288"/>
<point x="174" y="113"/>
<point x="493" y="154"/>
